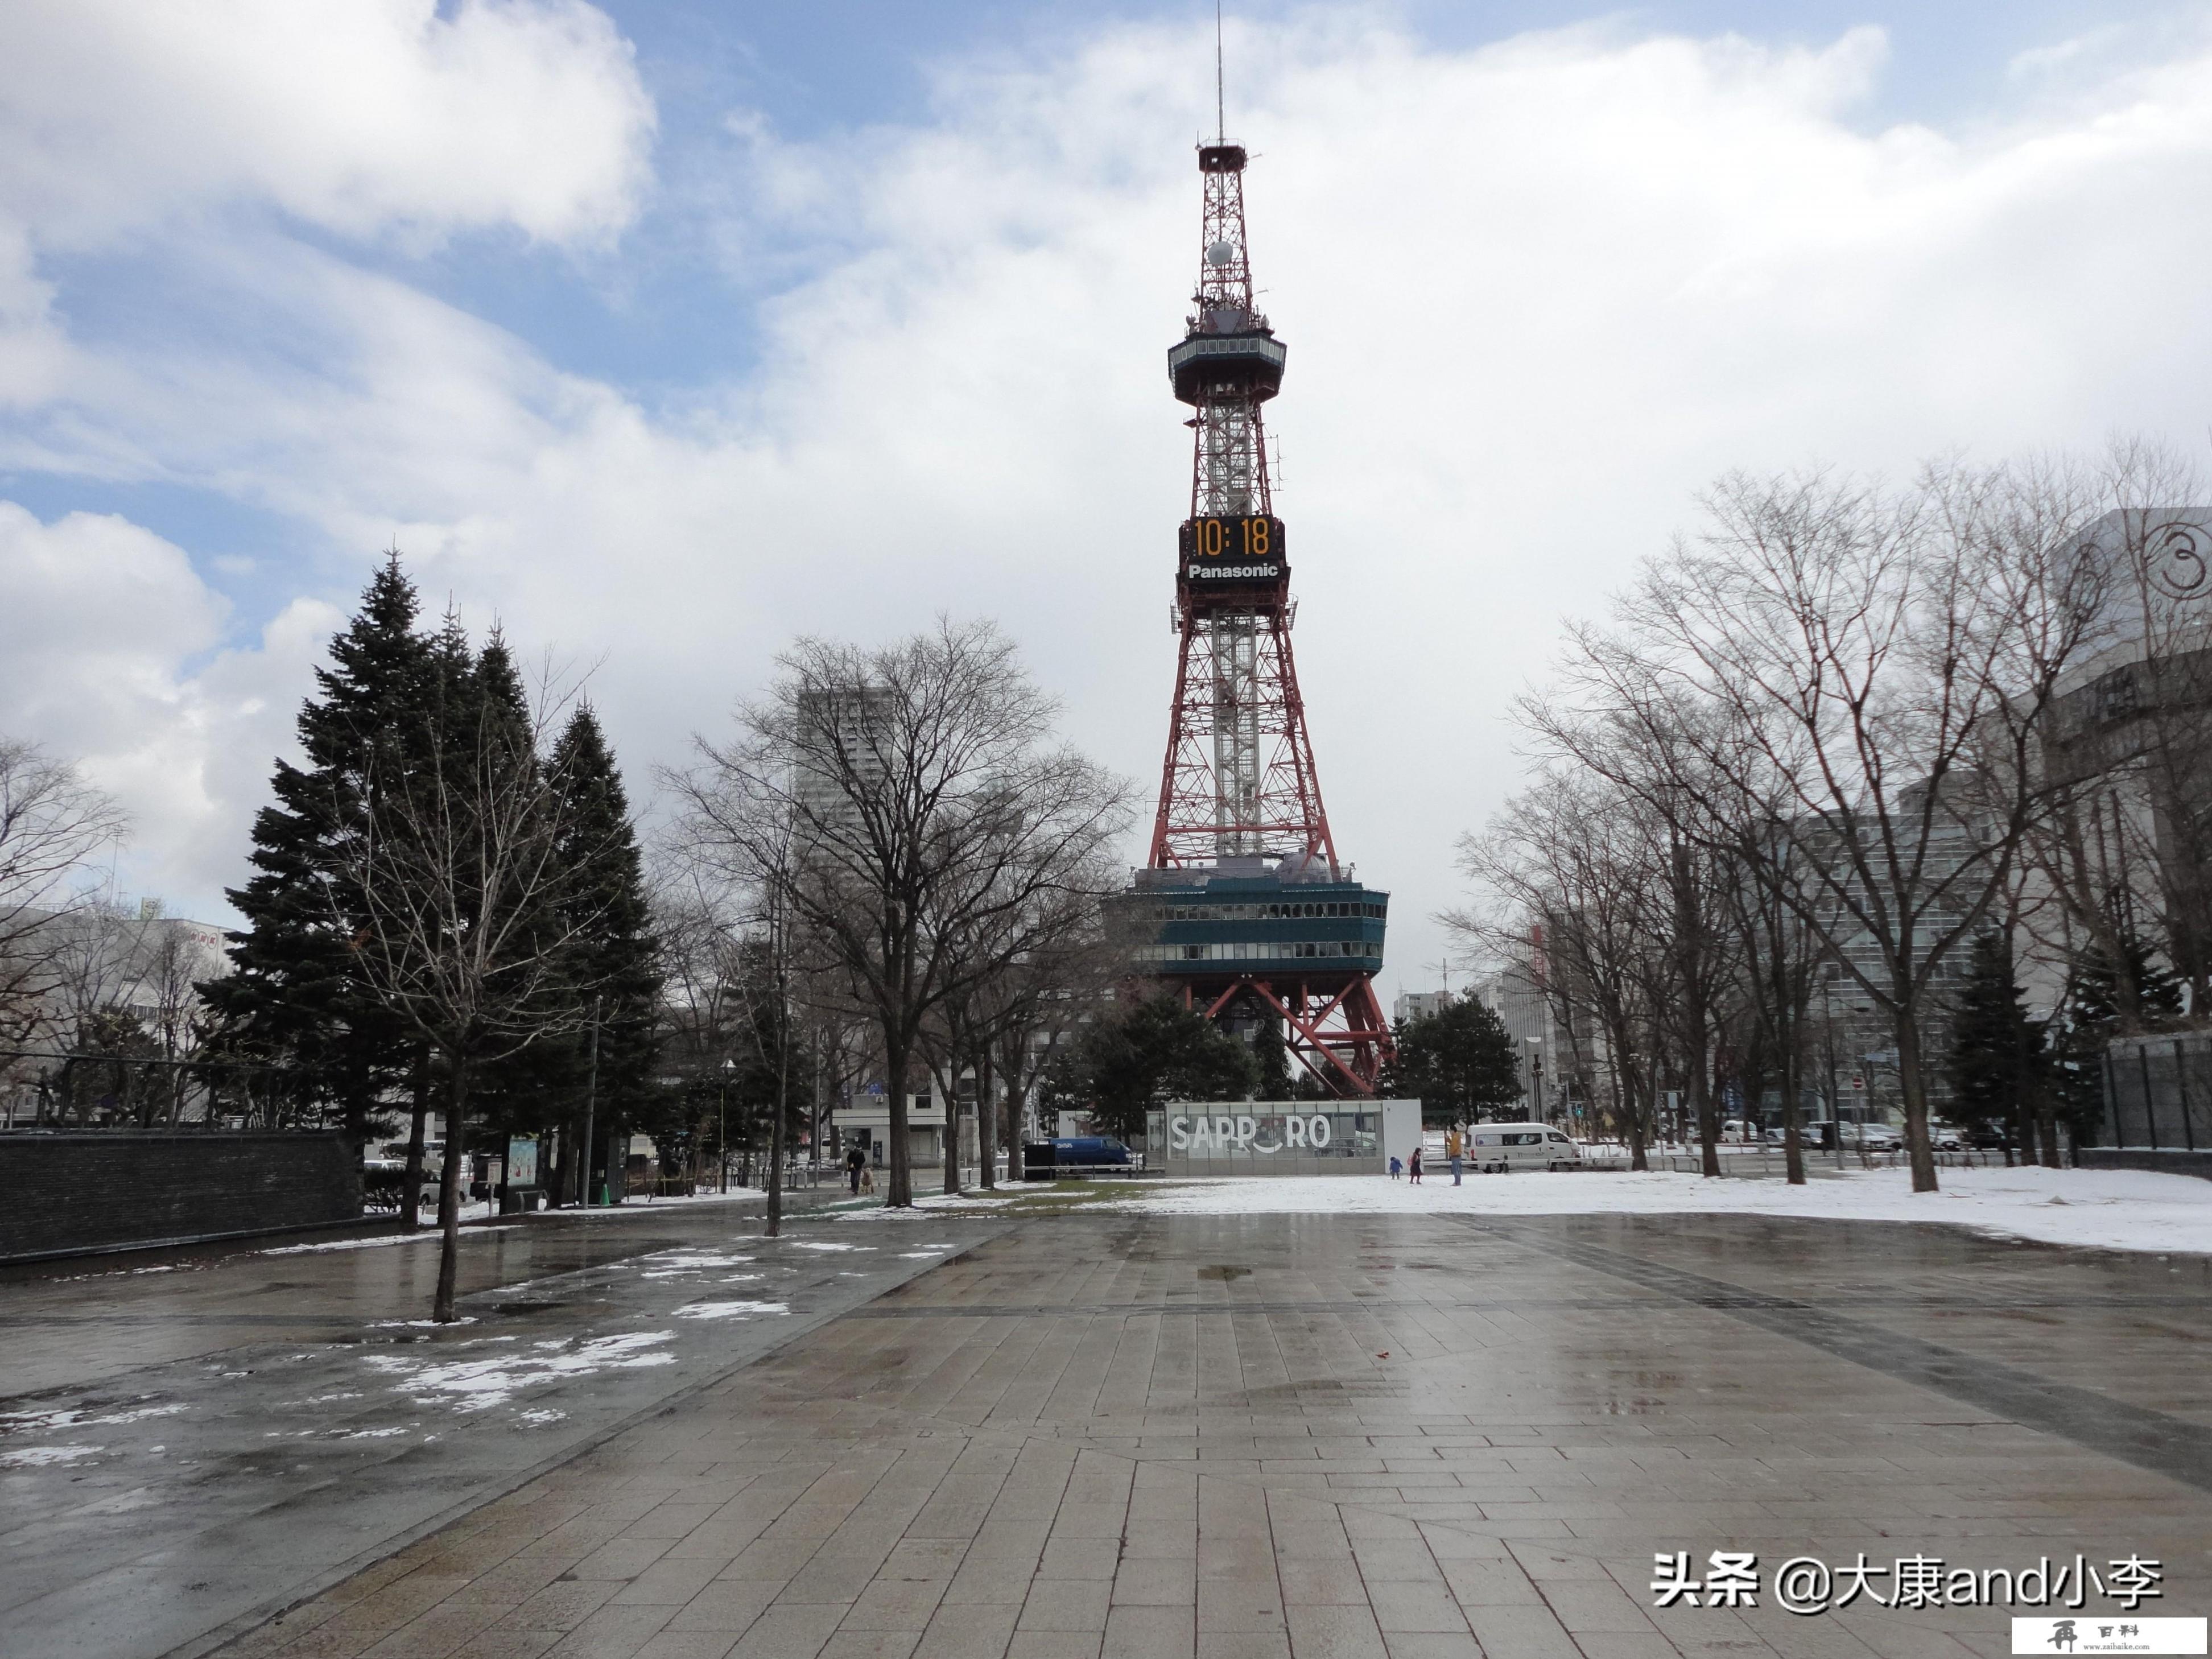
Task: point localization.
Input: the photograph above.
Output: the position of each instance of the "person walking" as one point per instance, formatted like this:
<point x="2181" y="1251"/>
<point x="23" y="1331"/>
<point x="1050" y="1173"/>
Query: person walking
<point x="1453" y="1146"/>
<point x="855" y="1161"/>
<point x="1397" y="1168"/>
<point x="1414" y="1167"/>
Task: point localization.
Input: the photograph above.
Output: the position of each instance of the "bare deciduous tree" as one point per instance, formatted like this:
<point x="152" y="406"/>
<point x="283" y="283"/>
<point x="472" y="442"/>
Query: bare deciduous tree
<point x="1867" y="670"/>
<point x="903" y="801"/>
<point x="1577" y="857"/>
<point x="52" y="822"/>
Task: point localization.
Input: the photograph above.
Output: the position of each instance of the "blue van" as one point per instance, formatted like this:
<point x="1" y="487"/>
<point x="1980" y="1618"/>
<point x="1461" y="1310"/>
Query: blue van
<point x="1089" y="1149"/>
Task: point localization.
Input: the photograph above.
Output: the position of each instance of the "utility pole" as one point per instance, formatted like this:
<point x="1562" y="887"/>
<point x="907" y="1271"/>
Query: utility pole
<point x="722" y="1127"/>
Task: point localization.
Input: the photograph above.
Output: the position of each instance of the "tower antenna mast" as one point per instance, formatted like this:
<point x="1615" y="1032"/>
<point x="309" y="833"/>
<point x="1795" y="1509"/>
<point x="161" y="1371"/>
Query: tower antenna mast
<point x="1220" y="104"/>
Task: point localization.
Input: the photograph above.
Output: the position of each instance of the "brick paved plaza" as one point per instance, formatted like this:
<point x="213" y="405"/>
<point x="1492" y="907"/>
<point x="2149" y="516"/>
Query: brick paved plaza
<point x="1339" y="1437"/>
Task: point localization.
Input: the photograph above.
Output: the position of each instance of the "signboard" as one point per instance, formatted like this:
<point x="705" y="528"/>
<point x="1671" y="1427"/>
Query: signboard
<point x="522" y="1161"/>
<point x="1282" y="1137"/>
<point x="1245" y="1132"/>
<point x="1233" y="552"/>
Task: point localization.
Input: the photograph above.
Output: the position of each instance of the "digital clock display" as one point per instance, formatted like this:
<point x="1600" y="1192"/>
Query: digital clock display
<point x="1233" y="550"/>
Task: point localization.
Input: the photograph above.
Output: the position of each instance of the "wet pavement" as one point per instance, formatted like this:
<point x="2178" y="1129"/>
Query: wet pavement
<point x="1226" y="1437"/>
<point x="242" y="1426"/>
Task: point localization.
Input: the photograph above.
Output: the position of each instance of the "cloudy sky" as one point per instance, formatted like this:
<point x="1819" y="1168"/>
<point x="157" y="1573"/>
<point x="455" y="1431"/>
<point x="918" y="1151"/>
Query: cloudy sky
<point x="665" y="331"/>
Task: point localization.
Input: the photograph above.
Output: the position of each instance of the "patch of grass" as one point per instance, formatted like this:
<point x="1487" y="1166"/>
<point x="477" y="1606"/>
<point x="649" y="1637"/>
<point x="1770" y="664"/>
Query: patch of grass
<point x="1074" y="1197"/>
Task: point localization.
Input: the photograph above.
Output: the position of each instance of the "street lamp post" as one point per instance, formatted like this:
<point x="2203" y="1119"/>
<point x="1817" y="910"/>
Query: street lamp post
<point x="1536" y="1075"/>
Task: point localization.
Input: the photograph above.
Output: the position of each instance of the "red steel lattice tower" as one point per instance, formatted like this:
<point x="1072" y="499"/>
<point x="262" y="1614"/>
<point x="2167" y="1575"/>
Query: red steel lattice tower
<point x="1240" y="803"/>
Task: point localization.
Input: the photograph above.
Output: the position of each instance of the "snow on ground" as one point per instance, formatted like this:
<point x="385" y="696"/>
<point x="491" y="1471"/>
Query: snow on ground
<point x="31" y="1457"/>
<point x="2108" y="1209"/>
<point x="485" y="1212"/>
<point x="472" y="1384"/>
<point x="730" y="1309"/>
<point x="46" y="1422"/>
<point x="871" y="1208"/>
<point x="424" y="1234"/>
<point x="684" y="1264"/>
<point x="659" y="1206"/>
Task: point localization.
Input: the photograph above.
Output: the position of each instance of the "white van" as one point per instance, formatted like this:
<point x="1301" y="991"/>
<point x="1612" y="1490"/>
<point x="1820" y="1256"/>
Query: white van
<point x="1499" y="1147"/>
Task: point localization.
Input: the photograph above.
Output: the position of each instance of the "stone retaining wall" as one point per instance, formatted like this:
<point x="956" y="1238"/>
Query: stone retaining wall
<point x="2170" y="1162"/>
<point x="69" y="1192"/>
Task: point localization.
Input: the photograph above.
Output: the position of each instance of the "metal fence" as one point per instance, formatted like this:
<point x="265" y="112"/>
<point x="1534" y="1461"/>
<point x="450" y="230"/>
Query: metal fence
<point x="1754" y="1161"/>
<point x="2158" y="1093"/>
<point x="50" y="1089"/>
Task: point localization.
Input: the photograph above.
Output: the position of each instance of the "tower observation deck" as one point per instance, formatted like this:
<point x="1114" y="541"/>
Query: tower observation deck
<point x="1251" y="915"/>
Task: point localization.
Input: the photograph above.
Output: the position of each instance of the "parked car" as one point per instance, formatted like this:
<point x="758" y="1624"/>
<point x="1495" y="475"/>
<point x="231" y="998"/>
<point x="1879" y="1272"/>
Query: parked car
<point x="1873" y="1137"/>
<point x="1496" y="1148"/>
<point x="1089" y="1149"/>
<point x="1945" y="1137"/>
<point x="1740" y="1131"/>
<point x="433" y="1157"/>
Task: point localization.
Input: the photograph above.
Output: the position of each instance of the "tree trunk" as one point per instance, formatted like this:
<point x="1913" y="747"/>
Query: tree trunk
<point x="897" y="1057"/>
<point x="410" y="1200"/>
<point x="782" y="1111"/>
<point x="2047" y="1123"/>
<point x="1639" y="1157"/>
<point x="1709" y="1118"/>
<point x="1913" y="1086"/>
<point x="449" y="1196"/>
<point x="1793" y="1138"/>
<point x="952" y="1131"/>
<point x="986" y="1123"/>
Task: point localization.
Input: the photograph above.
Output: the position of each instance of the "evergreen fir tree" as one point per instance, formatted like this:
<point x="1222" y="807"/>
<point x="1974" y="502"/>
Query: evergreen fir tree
<point x="1461" y="1061"/>
<point x="1148" y="1051"/>
<point x="1273" y="1057"/>
<point x="613" y="960"/>
<point x="1997" y="1062"/>
<point x="294" y="997"/>
<point x="2092" y="999"/>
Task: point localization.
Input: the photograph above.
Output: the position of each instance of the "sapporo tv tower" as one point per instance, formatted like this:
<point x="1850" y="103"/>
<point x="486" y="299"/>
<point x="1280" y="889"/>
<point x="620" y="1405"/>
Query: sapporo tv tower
<point x="1252" y="916"/>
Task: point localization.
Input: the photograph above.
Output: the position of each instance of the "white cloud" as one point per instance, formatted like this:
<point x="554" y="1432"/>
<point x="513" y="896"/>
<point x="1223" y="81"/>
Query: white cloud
<point x="1535" y="294"/>
<point x="109" y="652"/>
<point x="362" y="117"/>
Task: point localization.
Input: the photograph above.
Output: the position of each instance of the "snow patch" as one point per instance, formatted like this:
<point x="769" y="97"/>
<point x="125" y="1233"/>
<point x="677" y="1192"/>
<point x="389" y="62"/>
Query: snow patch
<point x="656" y="1206"/>
<point x="32" y="1457"/>
<point x="419" y="1324"/>
<point x="675" y="1264"/>
<point x="729" y="1309"/>
<point x="46" y="1422"/>
<point x="817" y="1244"/>
<point x="427" y="1234"/>
<point x="471" y="1385"/>
<point x="2104" y="1209"/>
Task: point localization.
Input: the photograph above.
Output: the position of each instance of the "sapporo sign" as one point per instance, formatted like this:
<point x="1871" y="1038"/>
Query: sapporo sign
<point x="1203" y="1133"/>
